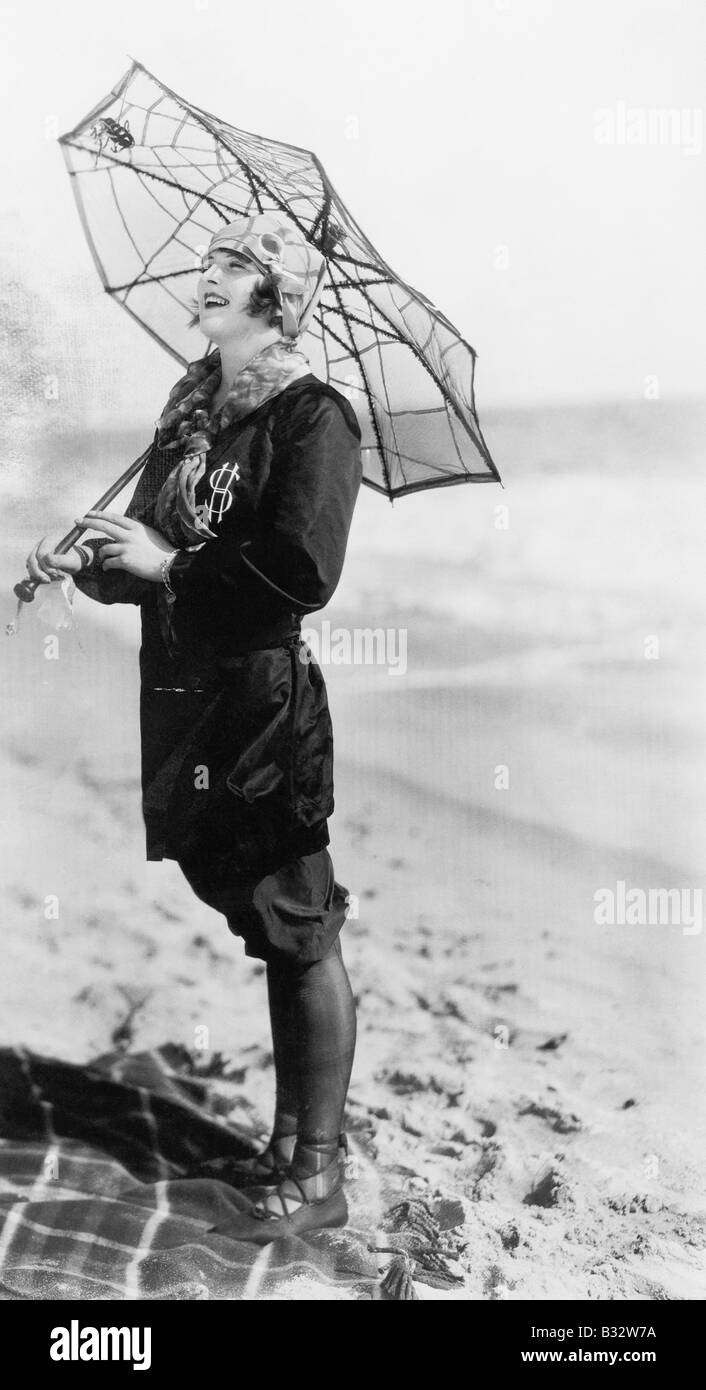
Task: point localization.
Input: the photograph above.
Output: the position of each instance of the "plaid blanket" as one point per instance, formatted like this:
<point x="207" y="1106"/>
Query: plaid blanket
<point x="95" y="1202"/>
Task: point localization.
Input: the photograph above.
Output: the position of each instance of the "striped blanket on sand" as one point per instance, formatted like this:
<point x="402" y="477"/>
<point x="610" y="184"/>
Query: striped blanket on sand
<point x="95" y="1202"/>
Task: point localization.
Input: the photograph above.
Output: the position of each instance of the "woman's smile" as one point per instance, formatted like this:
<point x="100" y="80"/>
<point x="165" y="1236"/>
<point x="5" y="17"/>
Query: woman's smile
<point x="211" y="300"/>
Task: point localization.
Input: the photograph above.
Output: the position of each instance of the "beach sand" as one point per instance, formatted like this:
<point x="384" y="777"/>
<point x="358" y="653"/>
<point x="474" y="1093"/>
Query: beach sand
<point x="542" y="1071"/>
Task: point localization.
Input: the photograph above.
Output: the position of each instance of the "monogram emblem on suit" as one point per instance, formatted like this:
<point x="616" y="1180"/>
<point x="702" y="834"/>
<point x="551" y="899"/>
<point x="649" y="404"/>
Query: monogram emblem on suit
<point x="221" y="498"/>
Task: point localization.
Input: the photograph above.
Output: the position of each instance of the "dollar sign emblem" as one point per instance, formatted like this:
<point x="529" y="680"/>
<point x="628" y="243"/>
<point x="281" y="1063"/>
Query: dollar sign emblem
<point x="220" y="489"/>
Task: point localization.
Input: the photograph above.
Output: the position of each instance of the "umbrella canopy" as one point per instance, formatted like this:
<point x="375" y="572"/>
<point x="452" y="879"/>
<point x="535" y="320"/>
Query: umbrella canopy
<point x="154" y="177"/>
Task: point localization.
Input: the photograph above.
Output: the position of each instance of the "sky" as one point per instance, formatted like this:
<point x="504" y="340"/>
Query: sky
<point x="499" y="154"/>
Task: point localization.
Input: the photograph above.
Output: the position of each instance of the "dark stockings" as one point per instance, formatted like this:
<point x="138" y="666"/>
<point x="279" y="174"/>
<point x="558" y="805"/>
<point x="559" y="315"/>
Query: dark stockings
<point x="312" y="1012"/>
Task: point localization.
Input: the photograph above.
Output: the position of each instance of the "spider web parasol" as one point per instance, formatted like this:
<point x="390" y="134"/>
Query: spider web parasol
<point x="154" y="177"/>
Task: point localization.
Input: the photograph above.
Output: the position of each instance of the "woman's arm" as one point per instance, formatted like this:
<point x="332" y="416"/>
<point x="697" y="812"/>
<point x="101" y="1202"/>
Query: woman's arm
<point x="297" y="551"/>
<point x="108" y="586"/>
<point x="84" y="561"/>
<point x="102" y="580"/>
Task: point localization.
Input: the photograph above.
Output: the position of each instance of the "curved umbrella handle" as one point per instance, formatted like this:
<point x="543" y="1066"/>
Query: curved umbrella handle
<point x="27" y="588"/>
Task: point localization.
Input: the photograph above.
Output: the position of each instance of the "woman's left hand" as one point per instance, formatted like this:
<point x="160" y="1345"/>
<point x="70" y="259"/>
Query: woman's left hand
<point x="134" y="547"/>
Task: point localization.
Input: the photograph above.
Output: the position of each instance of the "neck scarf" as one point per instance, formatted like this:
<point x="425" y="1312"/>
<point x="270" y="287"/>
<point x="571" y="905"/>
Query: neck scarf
<point x="188" y="425"/>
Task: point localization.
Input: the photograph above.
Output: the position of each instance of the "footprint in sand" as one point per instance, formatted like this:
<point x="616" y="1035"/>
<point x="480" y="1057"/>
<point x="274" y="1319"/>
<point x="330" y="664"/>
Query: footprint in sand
<point x="165" y="912"/>
<point x="510" y="1236"/>
<point x="548" y="1189"/>
<point x="552" y="1044"/>
<point x="641" y="1202"/>
<point x="559" y="1121"/>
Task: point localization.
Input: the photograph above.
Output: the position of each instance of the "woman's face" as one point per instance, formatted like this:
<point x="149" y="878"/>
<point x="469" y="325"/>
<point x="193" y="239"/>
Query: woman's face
<point x="231" y="277"/>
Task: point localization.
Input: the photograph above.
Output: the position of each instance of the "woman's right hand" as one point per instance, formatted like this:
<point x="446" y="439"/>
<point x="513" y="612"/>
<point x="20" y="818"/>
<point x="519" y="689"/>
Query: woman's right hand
<point x="45" y="565"/>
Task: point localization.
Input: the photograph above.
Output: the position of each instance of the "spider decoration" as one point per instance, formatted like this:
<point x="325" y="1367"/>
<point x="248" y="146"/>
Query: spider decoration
<point x="332" y="237"/>
<point x="110" y="132"/>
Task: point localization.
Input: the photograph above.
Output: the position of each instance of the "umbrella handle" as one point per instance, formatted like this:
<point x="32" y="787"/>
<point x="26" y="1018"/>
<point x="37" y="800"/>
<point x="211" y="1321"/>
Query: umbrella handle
<point x="26" y="588"/>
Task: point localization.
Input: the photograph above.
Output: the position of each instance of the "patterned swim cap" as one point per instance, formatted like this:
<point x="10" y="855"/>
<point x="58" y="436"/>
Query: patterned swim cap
<point x="280" y="250"/>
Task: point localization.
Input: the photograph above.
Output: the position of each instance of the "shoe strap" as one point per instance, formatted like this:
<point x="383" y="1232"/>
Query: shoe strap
<point x="321" y="1190"/>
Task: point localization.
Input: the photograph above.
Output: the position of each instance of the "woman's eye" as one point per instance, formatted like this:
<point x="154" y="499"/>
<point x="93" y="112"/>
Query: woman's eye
<point x="231" y="263"/>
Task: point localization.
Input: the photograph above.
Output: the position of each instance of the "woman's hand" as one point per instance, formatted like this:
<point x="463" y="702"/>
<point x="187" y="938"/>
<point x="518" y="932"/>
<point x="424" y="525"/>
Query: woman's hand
<point x="45" y="566"/>
<point x="134" y="547"/>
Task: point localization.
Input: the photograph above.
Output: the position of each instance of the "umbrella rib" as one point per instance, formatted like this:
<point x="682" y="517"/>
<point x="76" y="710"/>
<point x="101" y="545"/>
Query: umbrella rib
<point x="254" y="179"/>
<point x="267" y="173"/>
<point x="190" y="211"/>
<point x="367" y="265"/>
<point x="192" y="165"/>
<point x="398" y="338"/>
<point x="153" y="280"/>
<point x="390" y="411"/>
<point x="119" y="89"/>
<point x="147" y="174"/>
<point x="455" y="441"/>
<point x="482" y="447"/>
<point x="167" y="211"/>
<point x="430" y="467"/>
<point x="322" y="218"/>
<point x="146" y="263"/>
<point x="425" y="486"/>
<point x="186" y="194"/>
<point x="382" y="264"/>
<point x="165" y="288"/>
<point x="351" y="351"/>
<point x="332" y="334"/>
<point x="122" y="217"/>
<point x="424" y="410"/>
<point x="153" y="334"/>
<point x="368" y="393"/>
<point x="158" y="250"/>
<point x="204" y="117"/>
<point x="199" y="111"/>
<point x="218" y="135"/>
<point x="350" y="317"/>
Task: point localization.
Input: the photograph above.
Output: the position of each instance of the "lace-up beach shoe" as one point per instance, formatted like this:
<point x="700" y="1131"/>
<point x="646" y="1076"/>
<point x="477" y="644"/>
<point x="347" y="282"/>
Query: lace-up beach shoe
<point x="302" y="1201"/>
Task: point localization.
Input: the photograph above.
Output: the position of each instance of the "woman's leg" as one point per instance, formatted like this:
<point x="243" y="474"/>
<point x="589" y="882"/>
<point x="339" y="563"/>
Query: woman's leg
<point x="314" y="1032"/>
<point x="312" y="1010"/>
<point x="284" y="1125"/>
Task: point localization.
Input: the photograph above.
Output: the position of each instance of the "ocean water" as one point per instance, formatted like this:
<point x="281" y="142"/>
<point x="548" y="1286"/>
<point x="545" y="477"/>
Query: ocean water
<point x="561" y="639"/>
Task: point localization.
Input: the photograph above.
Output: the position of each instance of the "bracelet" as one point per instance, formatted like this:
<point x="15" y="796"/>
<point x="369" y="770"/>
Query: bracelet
<point x="164" y="569"/>
<point x="86" y="556"/>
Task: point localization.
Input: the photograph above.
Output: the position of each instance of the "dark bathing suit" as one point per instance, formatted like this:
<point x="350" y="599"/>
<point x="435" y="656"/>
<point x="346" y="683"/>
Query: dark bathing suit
<point x="237" y="745"/>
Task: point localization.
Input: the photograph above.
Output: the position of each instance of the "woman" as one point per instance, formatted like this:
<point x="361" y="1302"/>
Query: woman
<point x="239" y="526"/>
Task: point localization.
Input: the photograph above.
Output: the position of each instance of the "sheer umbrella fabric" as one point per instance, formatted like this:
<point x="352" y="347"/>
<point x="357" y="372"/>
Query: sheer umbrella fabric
<point x="155" y="176"/>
